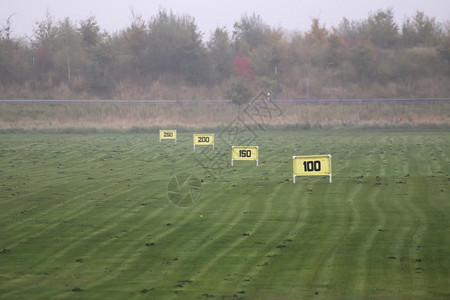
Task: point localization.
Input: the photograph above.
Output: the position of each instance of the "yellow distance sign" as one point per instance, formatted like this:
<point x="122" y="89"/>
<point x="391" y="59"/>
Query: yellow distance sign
<point x="168" y="135"/>
<point x="205" y="139"/>
<point x="244" y="153"/>
<point x="312" y="165"/>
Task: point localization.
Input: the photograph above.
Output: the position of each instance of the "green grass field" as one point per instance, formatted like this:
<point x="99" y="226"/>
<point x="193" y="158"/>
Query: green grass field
<point x="89" y="217"/>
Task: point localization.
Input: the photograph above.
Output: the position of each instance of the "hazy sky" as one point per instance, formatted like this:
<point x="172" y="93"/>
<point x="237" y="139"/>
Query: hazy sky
<point x="114" y="15"/>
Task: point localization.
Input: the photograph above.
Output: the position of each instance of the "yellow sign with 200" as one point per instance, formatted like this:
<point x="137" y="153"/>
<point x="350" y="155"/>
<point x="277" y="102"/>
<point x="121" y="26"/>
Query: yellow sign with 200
<point x="203" y="139"/>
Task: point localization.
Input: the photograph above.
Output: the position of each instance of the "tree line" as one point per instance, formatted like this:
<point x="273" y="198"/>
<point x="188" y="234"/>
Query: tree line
<point x="375" y="54"/>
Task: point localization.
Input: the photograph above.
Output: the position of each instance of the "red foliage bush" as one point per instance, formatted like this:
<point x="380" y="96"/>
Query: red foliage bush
<point x="243" y="68"/>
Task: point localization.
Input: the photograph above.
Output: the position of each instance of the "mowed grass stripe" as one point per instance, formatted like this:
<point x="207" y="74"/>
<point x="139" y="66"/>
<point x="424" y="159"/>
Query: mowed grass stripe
<point x="346" y="224"/>
<point x="352" y="237"/>
<point x="66" y="220"/>
<point x="160" y="245"/>
<point x="208" y="216"/>
<point x="79" y="257"/>
<point x="410" y="202"/>
<point x="230" y="233"/>
<point x="246" y="247"/>
<point x="351" y="241"/>
<point x="287" y="225"/>
<point x="135" y="250"/>
<point x="267" y="278"/>
<point x="357" y="238"/>
<point x="67" y="195"/>
<point x="166" y="248"/>
<point x="431" y="195"/>
<point x="334" y="231"/>
<point x="393" y="242"/>
<point x="224" y="235"/>
<point x="395" y="215"/>
<point x="116" y="253"/>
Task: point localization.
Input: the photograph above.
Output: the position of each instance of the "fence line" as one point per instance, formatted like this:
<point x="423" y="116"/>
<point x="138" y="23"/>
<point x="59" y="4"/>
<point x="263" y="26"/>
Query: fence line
<point x="110" y="101"/>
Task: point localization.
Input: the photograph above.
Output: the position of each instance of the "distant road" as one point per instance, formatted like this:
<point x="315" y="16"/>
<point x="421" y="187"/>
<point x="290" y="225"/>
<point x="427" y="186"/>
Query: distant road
<point x="44" y="101"/>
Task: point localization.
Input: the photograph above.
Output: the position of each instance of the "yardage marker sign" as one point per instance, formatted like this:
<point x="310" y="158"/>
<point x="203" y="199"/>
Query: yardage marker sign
<point x="205" y="139"/>
<point x="312" y="165"/>
<point x="244" y="153"/>
<point x="168" y="135"/>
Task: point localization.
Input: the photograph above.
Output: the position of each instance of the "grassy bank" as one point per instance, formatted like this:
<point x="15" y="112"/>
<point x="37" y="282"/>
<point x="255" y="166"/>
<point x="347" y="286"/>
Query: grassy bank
<point x="91" y="117"/>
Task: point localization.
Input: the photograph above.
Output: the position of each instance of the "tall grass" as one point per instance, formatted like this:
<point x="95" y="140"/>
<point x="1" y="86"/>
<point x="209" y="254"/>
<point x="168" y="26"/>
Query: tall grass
<point x="133" y="116"/>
